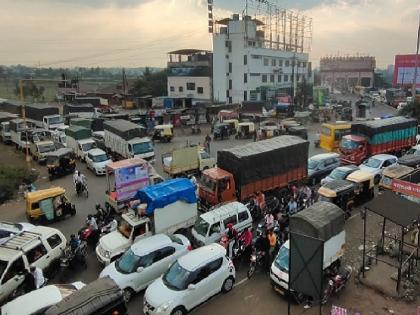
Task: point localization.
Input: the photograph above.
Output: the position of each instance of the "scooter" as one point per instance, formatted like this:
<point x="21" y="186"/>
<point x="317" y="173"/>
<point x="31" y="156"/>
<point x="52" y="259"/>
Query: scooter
<point x="81" y="188"/>
<point x="256" y="260"/>
<point x="337" y="283"/>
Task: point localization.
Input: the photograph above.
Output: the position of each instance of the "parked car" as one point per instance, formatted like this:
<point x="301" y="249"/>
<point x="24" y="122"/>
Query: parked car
<point x="191" y="280"/>
<point x="146" y="261"/>
<point x="35" y="302"/>
<point x="320" y="165"/>
<point x="340" y="172"/>
<point x="96" y="161"/>
<point x="376" y="163"/>
<point x="8" y="229"/>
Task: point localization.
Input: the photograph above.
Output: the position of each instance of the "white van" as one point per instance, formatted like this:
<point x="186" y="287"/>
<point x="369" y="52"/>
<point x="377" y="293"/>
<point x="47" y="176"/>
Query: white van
<point x="211" y="226"/>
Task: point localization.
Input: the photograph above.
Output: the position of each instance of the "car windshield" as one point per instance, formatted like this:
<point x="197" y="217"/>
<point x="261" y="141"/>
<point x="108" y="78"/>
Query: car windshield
<point x="208" y="183"/>
<point x="312" y="164"/>
<point x="282" y="259"/>
<point x="337" y="174"/>
<point x="176" y="277"/>
<point x="55" y="120"/>
<point x="201" y="226"/>
<point x="88" y="146"/>
<point x="3" y="266"/>
<point x="413" y="151"/>
<point x="143" y="147"/>
<point x="372" y="162"/>
<point x="128" y="263"/>
<point x="349" y="144"/>
<point x="99" y="158"/>
<point x="46" y="148"/>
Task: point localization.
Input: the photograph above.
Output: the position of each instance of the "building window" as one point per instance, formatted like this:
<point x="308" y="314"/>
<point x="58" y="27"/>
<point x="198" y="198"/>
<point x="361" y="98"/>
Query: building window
<point x="181" y="89"/>
<point x="255" y="74"/>
<point x="264" y="78"/>
<point x="230" y="99"/>
<point x="265" y="61"/>
<point x="228" y="45"/>
<point x="245" y="78"/>
<point x="272" y="78"/>
<point x="200" y="90"/>
<point x="279" y="78"/>
<point x="245" y="59"/>
<point x="303" y="64"/>
<point x="286" y="63"/>
<point x="227" y="56"/>
<point x="273" y="62"/>
<point x="230" y="67"/>
<point x="230" y="84"/>
<point x="172" y="89"/>
<point x="190" y="86"/>
<point x="227" y="93"/>
<point x="245" y="96"/>
<point x="280" y="63"/>
<point x="286" y="78"/>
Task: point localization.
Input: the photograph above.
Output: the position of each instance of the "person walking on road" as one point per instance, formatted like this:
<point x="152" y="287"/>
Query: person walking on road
<point x="207" y="141"/>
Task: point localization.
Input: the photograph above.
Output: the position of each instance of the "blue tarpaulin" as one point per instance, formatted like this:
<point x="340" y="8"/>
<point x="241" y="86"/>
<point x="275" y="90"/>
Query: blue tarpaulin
<point x="167" y="192"/>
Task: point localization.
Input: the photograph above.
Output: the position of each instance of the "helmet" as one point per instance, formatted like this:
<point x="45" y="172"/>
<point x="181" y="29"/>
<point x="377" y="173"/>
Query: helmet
<point x="229" y="226"/>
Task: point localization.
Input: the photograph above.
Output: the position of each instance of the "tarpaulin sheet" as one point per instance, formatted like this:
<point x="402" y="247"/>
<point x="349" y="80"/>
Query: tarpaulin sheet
<point x="167" y="192"/>
<point x="386" y="130"/>
<point x="124" y="129"/>
<point x="322" y="220"/>
<point x="263" y="159"/>
<point x="47" y="208"/>
<point x="78" y="132"/>
<point x="77" y="108"/>
<point x="38" y="111"/>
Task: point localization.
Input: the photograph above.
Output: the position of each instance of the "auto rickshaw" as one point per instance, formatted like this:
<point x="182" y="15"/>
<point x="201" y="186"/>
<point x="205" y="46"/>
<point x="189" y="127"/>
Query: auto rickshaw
<point x="340" y="192"/>
<point x="246" y="130"/>
<point x="221" y="131"/>
<point x="61" y="162"/>
<point x="299" y="131"/>
<point x="163" y="133"/>
<point x="365" y="185"/>
<point x="391" y="172"/>
<point x="331" y="135"/>
<point x="48" y="205"/>
<point x="233" y="126"/>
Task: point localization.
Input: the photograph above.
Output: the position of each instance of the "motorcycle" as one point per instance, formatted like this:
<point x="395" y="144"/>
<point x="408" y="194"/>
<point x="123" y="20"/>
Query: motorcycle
<point x="256" y="260"/>
<point x="238" y="249"/>
<point x="72" y="258"/>
<point x="81" y="188"/>
<point x="337" y="283"/>
<point x="90" y="236"/>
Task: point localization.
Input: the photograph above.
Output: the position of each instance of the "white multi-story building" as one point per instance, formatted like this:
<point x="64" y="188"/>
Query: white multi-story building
<point x="247" y="67"/>
<point x="189" y="75"/>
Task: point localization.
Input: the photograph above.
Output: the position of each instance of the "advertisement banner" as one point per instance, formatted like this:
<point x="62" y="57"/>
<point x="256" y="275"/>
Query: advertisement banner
<point x="406" y="188"/>
<point x="404" y="70"/>
<point x="130" y="179"/>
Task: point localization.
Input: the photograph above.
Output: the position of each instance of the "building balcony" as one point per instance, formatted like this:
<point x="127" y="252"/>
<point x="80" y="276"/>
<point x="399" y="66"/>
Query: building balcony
<point x="189" y="64"/>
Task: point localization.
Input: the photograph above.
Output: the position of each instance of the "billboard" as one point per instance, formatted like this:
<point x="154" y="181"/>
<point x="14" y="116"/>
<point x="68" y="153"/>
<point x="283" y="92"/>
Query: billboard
<point x="130" y="179"/>
<point x="404" y="70"/>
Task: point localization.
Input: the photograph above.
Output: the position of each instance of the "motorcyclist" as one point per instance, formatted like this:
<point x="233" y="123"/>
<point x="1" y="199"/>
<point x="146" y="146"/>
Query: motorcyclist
<point x="101" y="212"/>
<point x="262" y="246"/>
<point x="111" y="226"/>
<point x="81" y="180"/>
<point x="74" y="242"/>
<point x="232" y="236"/>
<point x="246" y="238"/>
<point x="91" y="222"/>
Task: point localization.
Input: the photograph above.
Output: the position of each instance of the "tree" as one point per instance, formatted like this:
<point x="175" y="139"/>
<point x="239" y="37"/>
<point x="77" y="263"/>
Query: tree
<point x="151" y="83"/>
<point x="412" y="109"/>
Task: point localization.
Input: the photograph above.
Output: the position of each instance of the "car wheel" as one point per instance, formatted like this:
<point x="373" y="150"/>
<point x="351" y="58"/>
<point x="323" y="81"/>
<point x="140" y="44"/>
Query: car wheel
<point x="128" y="294"/>
<point x="179" y="311"/>
<point x="228" y="285"/>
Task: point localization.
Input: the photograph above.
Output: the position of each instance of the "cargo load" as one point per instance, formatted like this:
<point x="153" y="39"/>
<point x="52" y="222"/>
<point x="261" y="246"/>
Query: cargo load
<point x="77" y="108"/>
<point x="11" y="106"/>
<point x="124" y="129"/>
<point x="78" y="132"/>
<point x="82" y="122"/>
<point x="37" y="112"/>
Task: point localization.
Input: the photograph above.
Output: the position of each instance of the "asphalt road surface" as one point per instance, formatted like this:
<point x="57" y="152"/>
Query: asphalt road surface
<point x="253" y="296"/>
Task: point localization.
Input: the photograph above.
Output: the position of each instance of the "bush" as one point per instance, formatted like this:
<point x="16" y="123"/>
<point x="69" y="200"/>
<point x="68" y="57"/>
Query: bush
<point x="411" y="109"/>
<point x="11" y="178"/>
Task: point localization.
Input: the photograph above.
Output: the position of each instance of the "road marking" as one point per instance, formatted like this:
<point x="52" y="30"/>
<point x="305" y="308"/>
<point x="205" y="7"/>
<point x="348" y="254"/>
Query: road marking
<point x="240" y="282"/>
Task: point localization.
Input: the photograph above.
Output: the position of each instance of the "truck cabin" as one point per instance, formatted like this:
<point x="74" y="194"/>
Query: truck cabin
<point x="352" y="146"/>
<point x="132" y="226"/>
<point x="52" y="121"/>
<point x="138" y="147"/>
<point x="216" y="186"/>
<point x="86" y="145"/>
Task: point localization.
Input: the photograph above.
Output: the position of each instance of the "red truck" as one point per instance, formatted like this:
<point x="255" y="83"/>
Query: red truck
<point x="267" y="165"/>
<point x="390" y="135"/>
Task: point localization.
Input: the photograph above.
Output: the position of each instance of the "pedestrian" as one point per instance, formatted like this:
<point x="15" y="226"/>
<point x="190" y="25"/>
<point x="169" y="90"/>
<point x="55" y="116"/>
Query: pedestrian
<point x="207" y="143"/>
<point x="269" y="221"/>
<point x="38" y="276"/>
<point x="272" y="239"/>
<point x="292" y="206"/>
<point x="260" y="200"/>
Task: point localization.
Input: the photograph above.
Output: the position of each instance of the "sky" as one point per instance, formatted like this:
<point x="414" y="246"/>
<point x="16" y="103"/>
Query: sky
<point x="135" y="33"/>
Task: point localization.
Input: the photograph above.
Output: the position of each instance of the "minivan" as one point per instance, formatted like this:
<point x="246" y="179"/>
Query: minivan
<point x="212" y="225"/>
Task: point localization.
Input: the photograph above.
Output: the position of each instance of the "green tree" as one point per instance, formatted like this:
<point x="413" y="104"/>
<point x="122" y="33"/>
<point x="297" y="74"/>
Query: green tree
<point x="412" y="109"/>
<point x="151" y="83"/>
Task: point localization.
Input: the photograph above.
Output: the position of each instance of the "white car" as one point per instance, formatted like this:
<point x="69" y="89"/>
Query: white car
<point x="191" y="280"/>
<point x="146" y="261"/>
<point x="8" y="229"/>
<point x="37" y="301"/>
<point x="96" y="160"/>
<point x="376" y="163"/>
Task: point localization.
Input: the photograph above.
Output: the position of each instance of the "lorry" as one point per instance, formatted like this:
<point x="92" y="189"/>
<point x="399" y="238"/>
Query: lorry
<point x="44" y="116"/>
<point x="367" y="138"/>
<point x="124" y="178"/>
<point x="5" y="117"/>
<point x="81" y="110"/>
<point x="124" y="139"/>
<point x="324" y="221"/>
<point x="41" y="149"/>
<point x="185" y="161"/>
<point x="80" y="140"/>
<point x="18" y="131"/>
<point x="242" y="171"/>
<point x="168" y="207"/>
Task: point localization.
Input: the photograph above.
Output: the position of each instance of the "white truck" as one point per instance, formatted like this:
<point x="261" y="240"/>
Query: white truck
<point x="18" y="128"/>
<point x="323" y="220"/>
<point x="124" y="139"/>
<point x="184" y="161"/>
<point x="168" y="207"/>
<point x="5" y="117"/>
<point x="80" y="140"/>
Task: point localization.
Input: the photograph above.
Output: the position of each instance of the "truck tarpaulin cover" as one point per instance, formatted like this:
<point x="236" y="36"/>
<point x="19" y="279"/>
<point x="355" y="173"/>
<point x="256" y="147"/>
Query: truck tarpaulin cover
<point x="124" y="129"/>
<point x="78" y="132"/>
<point x="322" y="220"/>
<point x="88" y="300"/>
<point x="386" y="130"/>
<point x="77" y="108"/>
<point x="38" y="111"/>
<point x="167" y="192"/>
<point x="263" y="159"/>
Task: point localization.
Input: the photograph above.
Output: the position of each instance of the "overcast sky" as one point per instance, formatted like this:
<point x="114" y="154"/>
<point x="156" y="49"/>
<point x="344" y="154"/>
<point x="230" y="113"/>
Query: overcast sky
<point x="135" y="33"/>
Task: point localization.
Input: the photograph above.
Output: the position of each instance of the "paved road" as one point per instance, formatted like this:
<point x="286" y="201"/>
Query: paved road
<point x="251" y="297"/>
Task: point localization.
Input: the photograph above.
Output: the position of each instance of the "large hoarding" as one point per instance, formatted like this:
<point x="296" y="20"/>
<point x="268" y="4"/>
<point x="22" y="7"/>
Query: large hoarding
<point x="404" y="70"/>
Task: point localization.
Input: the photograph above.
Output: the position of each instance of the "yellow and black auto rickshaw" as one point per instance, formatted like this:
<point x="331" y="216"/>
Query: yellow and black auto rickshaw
<point x="163" y="133"/>
<point x="340" y="192"/>
<point x="365" y="185"/>
<point x="48" y="205"/>
<point x="60" y="163"/>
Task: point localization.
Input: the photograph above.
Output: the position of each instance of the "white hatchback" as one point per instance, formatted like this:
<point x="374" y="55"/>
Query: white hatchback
<point x="96" y="160"/>
<point x="191" y="280"/>
<point x="145" y="261"/>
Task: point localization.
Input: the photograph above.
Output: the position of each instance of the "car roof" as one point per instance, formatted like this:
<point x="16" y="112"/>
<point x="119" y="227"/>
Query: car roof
<point x="346" y="168"/>
<point x="383" y="156"/>
<point x="200" y="256"/>
<point x="324" y="156"/>
<point x="147" y="245"/>
<point x="96" y="151"/>
<point x="222" y="211"/>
